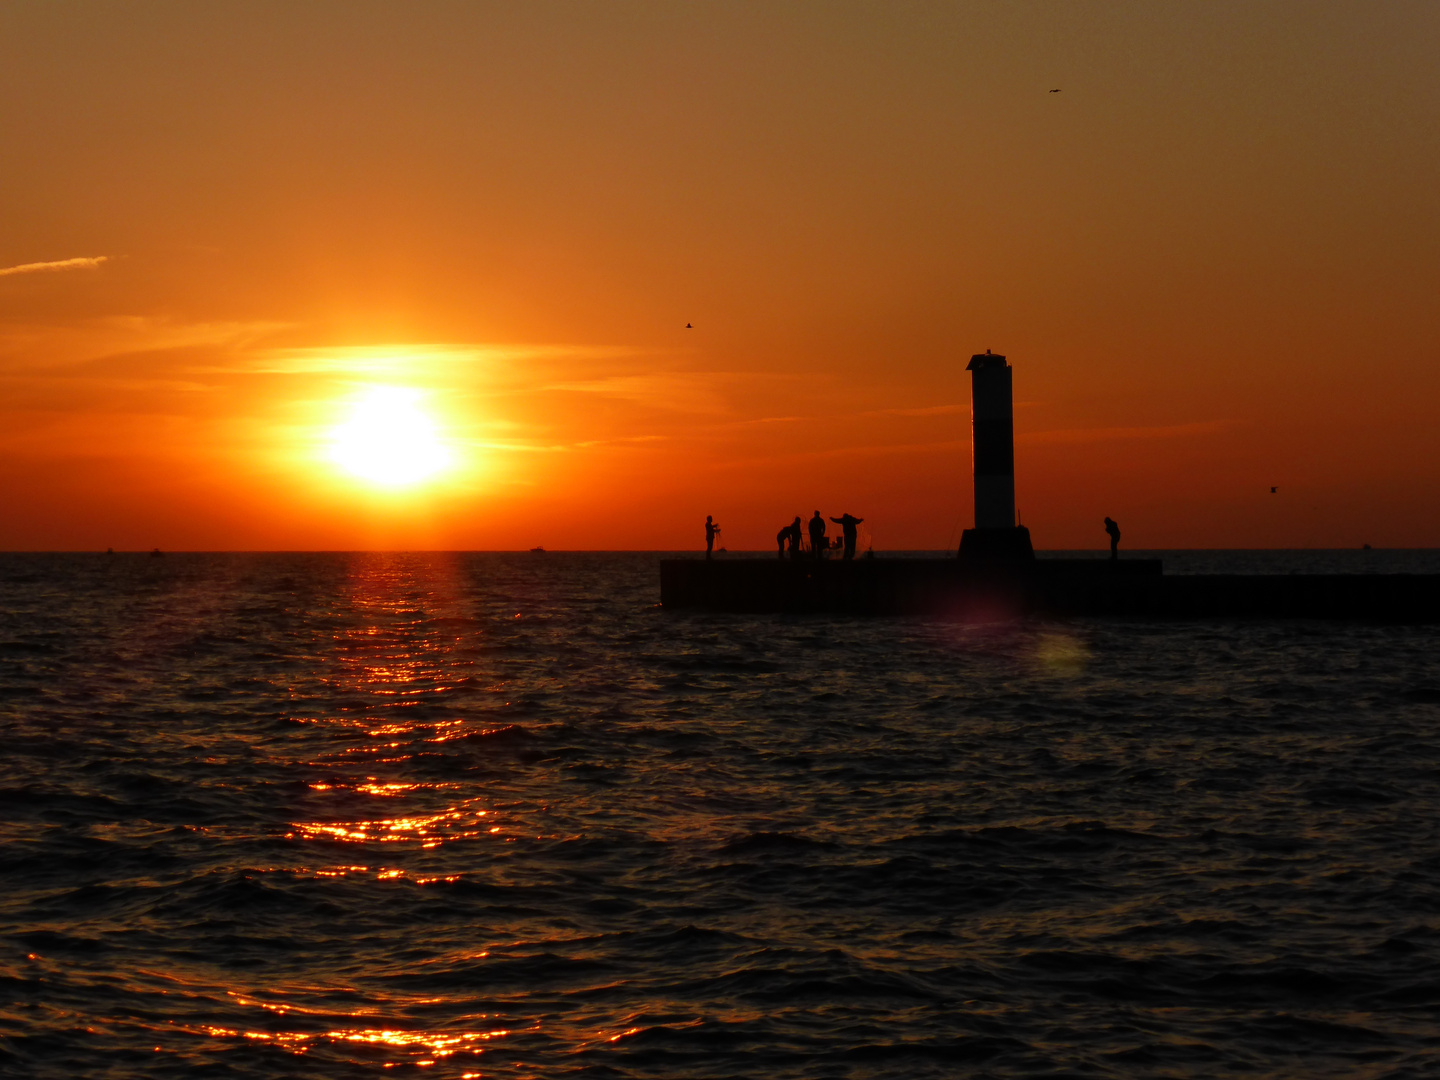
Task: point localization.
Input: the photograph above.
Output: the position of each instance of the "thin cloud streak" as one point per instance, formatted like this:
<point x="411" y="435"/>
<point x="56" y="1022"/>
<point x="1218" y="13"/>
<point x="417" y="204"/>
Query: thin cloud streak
<point x="930" y="410"/>
<point x="947" y="446"/>
<point x="87" y="263"/>
<point x="1092" y="435"/>
<point x="397" y="359"/>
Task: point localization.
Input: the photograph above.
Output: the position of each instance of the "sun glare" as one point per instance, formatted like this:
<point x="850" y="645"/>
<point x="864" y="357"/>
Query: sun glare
<point x="388" y="439"/>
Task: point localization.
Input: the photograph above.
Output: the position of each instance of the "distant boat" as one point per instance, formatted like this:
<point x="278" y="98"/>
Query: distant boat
<point x="156" y="553"/>
<point x="537" y="551"/>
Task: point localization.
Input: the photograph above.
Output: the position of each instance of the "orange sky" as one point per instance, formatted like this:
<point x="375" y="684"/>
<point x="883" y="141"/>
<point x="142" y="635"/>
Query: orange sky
<point x="1213" y="259"/>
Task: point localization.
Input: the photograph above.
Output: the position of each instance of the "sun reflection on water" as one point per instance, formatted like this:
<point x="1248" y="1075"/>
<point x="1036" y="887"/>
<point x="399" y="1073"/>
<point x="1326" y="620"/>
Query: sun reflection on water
<point x="425" y="1047"/>
<point x="381" y="873"/>
<point x="411" y="647"/>
<point x="373" y="787"/>
<point x="389" y="674"/>
<point x="428" y="830"/>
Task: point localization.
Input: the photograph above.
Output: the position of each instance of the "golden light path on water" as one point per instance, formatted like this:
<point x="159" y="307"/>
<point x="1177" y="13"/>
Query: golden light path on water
<point x="388" y="667"/>
<point x="424" y="1048"/>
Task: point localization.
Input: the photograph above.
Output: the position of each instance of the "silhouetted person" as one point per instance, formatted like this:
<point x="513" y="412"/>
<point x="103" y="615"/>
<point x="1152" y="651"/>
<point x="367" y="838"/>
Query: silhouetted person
<point x="817" y="535"/>
<point x="1114" y="531"/>
<point x="847" y="530"/>
<point x="710" y="530"/>
<point x="780" y="538"/>
<point x="796" y="532"/>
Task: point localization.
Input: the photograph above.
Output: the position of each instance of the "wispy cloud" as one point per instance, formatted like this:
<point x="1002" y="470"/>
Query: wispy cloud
<point x="790" y="457"/>
<point x="124" y="344"/>
<point x="677" y="391"/>
<point x="88" y="263"/>
<point x="1089" y="435"/>
<point x="929" y="410"/>
<point x="402" y="358"/>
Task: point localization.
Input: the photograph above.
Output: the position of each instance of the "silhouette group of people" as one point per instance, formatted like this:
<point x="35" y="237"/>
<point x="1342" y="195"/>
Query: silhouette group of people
<point x="790" y="539"/>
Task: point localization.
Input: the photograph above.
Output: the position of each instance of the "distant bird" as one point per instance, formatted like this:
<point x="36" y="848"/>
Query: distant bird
<point x="689" y="327"/>
<point x="1273" y="490"/>
<point x="1054" y="91"/>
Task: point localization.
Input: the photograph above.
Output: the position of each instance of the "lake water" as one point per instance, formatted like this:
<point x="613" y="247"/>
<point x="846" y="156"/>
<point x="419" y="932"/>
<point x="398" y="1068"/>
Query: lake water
<point x="497" y="815"/>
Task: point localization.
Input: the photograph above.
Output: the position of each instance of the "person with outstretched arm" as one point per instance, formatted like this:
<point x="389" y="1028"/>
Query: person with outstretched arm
<point x="710" y="530"/>
<point x="847" y="530"/>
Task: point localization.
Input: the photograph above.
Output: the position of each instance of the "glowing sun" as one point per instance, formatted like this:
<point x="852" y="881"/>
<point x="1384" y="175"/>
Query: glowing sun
<point x="388" y="439"/>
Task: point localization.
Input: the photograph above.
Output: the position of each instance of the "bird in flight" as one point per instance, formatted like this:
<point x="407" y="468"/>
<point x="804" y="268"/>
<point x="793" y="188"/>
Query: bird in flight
<point x="689" y="327"/>
<point x="1054" y="91"/>
<point x="1273" y="490"/>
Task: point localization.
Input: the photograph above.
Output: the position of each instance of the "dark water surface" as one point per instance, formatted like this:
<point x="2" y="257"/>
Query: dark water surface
<point x="498" y="816"/>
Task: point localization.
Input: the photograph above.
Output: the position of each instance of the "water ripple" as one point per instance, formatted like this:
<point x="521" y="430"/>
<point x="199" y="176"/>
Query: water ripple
<point x="498" y="816"/>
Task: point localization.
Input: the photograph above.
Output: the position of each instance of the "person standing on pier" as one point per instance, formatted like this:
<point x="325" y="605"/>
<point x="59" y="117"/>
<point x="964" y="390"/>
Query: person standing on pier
<point x="1114" y="531"/>
<point x="710" y="530"/>
<point x="796" y="532"/>
<point x="847" y="530"/>
<point x="817" y="536"/>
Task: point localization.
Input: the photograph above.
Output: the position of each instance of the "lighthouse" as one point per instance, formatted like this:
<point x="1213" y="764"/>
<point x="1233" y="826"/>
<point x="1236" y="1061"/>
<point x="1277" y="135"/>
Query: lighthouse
<point x="992" y="409"/>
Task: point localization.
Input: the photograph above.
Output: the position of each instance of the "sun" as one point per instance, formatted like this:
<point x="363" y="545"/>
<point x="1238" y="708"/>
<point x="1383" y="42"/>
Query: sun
<point x="389" y="439"/>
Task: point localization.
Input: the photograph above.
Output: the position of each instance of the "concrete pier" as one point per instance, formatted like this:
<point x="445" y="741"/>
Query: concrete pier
<point x="950" y="589"/>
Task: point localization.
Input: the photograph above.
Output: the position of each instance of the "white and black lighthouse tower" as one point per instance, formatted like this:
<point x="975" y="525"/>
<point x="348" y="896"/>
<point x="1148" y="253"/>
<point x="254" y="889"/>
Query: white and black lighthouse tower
<point x="995" y="535"/>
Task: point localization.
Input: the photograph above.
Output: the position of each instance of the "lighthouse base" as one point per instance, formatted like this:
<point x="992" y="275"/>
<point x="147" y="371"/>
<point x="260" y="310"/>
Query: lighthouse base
<point x="997" y="545"/>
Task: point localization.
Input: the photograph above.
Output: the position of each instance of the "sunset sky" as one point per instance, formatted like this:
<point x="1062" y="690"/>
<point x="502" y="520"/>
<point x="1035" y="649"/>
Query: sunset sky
<point x="349" y="275"/>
